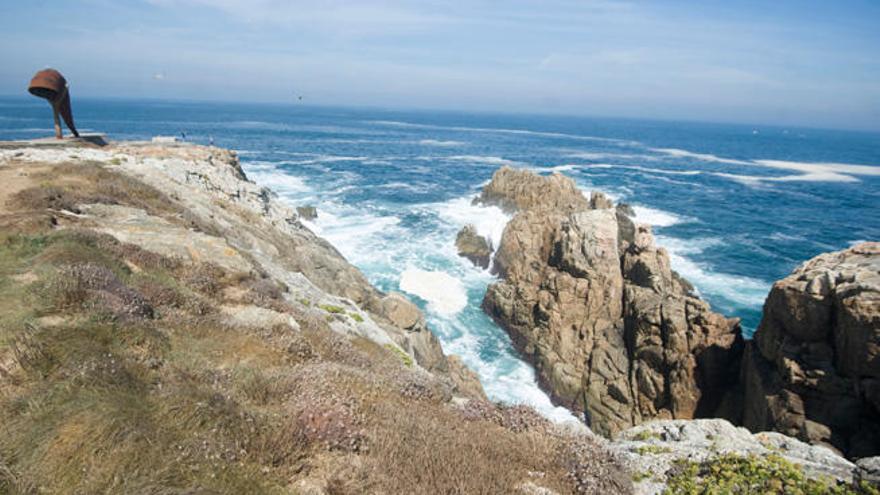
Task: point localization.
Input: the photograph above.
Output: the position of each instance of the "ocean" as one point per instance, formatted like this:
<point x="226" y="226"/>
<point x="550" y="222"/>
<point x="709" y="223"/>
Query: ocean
<point x="736" y="206"/>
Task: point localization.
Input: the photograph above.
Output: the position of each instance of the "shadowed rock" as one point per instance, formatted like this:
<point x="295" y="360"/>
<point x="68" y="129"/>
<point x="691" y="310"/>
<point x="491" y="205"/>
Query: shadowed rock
<point x="813" y="368"/>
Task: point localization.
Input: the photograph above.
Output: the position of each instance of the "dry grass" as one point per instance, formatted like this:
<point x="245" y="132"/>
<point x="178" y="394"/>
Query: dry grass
<point x="98" y="395"/>
<point x="433" y="453"/>
<point x="63" y="186"/>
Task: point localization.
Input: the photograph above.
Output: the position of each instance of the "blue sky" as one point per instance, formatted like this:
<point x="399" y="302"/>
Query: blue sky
<point x="801" y="62"/>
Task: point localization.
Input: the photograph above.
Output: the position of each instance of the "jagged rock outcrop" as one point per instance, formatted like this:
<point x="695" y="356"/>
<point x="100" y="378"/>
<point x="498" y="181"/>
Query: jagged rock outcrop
<point x="593" y="303"/>
<point x="473" y="246"/>
<point x="515" y="190"/>
<point x="812" y="370"/>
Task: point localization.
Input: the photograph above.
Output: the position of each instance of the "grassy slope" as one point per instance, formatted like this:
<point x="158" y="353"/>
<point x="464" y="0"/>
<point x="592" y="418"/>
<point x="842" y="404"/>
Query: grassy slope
<point x="118" y="374"/>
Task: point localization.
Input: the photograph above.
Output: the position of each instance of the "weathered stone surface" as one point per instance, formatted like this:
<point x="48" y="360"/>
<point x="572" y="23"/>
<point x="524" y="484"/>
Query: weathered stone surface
<point x="594" y="304"/>
<point x="653" y="448"/>
<point x="402" y="312"/>
<point x="869" y="469"/>
<point x="512" y="189"/>
<point x="307" y="212"/>
<point x="813" y="368"/>
<point x="464" y="378"/>
<point x="473" y="246"/>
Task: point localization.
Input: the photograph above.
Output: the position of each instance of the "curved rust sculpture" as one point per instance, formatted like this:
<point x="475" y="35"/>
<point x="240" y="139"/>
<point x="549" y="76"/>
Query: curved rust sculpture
<point x="51" y="85"/>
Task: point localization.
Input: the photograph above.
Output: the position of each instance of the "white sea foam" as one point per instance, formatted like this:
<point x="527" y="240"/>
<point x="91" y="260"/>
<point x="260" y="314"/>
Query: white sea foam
<point x="440" y="143"/>
<point x="662" y="171"/>
<point x="352" y="232"/>
<point x="488" y="220"/>
<point x="741" y="290"/>
<point x="591" y="155"/>
<point x="822" y="172"/>
<point x="779" y="236"/>
<point x="444" y="293"/>
<point x="809" y="171"/>
<point x="328" y="159"/>
<point x="504" y="131"/>
<point x="558" y="168"/>
<point x="706" y="157"/>
<point x="747" y="180"/>
<point x="490" y="160"/>
<point x="269" y="175"/>
<point x="656" y="218"/>
<point x="506" y="377"/>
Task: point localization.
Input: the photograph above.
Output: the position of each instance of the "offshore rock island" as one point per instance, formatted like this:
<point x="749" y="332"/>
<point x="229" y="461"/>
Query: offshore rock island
<point x="169" y="326"/>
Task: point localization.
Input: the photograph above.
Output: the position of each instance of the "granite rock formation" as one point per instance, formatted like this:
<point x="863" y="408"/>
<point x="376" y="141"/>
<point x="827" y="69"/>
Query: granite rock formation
<point x="473" y="246"/>
<point x="593" y="303"/>
<point x="812" y="370"/>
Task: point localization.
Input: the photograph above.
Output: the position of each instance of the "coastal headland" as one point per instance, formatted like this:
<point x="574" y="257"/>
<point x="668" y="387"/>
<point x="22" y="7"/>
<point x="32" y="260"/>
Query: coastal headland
<point x="167" y="325"/>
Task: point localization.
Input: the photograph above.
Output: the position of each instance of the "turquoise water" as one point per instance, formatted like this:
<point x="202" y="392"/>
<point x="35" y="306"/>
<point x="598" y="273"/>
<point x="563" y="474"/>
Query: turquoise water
<point x="736" y="206"/>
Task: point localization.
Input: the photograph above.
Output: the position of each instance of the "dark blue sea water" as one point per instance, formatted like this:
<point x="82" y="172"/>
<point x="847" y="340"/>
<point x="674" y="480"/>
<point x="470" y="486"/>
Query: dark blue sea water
<point x="736" y="206"/>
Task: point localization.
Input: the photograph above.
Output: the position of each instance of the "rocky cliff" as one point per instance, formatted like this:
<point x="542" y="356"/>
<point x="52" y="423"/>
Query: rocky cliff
<point x="593" y="303"/>
<point x="812" y="370"/>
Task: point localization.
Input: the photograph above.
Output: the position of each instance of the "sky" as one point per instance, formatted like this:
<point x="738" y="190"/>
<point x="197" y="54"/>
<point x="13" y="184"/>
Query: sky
<point x="786" y="62"/>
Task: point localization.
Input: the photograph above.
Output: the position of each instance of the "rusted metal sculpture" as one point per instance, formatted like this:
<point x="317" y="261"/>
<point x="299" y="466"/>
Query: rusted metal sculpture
<point x="51" y="85"/>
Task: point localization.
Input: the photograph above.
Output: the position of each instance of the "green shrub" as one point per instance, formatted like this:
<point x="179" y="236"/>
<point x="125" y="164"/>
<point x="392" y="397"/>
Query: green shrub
<point x="645" y="435"/>
<point x="652" y="449"/>
<point x="332" y="309"/>
<point x="406" y="358"/>
<point x="771" y="474"/>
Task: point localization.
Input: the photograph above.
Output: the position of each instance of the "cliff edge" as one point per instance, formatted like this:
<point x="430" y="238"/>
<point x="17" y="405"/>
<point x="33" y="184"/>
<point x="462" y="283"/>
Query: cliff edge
<point x="168" y="326"/>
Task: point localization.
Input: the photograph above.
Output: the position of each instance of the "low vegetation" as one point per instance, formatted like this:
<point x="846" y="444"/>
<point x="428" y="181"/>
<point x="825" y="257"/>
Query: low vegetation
<point x="120" y="373"/>
<point x="772" y="474"/>
<point x="332" y="309"/>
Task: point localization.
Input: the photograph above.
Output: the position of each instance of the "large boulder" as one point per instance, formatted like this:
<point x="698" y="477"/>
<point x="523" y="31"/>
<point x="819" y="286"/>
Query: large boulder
<point x="813" y="368"/>
<point x="593" y="303"/>
<point x="473" y="246"/>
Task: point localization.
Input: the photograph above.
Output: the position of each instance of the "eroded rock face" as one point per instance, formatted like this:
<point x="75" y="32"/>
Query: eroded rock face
<point x="813" y="368"/>
<point x="594" y="304"/>
<point x="473" y="246"/>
